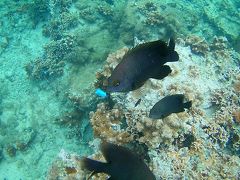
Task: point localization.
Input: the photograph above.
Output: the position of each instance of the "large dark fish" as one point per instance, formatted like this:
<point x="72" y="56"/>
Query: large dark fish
<point x="141" y="63"/>
<point x="168" y="105"/>
<point x="121" y="164"/>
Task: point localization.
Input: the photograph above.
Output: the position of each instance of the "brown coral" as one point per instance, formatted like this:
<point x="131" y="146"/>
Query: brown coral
<point x="226" y="102"/>
<point x="236" y="115"/>
<point x="107" y="125"/>
<point x="219" y="46"/>
<point x="41" y="69"/>
<point x="67" y="167"/>
<point x="236" y="86"/>
<point x="11" y="150"/>
<point x="219" y="43"/>
<point x="151" y="132"/>
<point x="198" y="45"/>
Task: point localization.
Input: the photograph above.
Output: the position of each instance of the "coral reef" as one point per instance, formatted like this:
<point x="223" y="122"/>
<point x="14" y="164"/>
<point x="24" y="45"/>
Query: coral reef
<point x="195" y="164"/>
<point x="202" y="143"/>
<point x="219" y="46"/>
<point x="217" y="15"/>
<point x="76" y="118"/>
<point x="193" y="144"/>
<point x="198" y="45"/>
<point x="51" y="65"/>
<point x="56" y="50"/>
<point x="181" y="140"/>
<point x="236" y="115"/>
<point x="42" y="69"/>
<point x="84" y="100"/>
<point x="154" y="133"/>
<point x="105" y="10"/>
<point x="57" y="27"/>
<point x="227" y="114"/>
<point x="62" y="19"/>
<point x="38" y="10"/>
<point x="20" y="143"/>
<point x="11" y="150"/>
<point x="155" y="17"/>
<point x="107" y="125"/>
<point x="66" y="167"/>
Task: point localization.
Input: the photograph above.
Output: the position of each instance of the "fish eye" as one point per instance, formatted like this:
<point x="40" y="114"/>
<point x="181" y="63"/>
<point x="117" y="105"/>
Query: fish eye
<point x="116" y="83"/>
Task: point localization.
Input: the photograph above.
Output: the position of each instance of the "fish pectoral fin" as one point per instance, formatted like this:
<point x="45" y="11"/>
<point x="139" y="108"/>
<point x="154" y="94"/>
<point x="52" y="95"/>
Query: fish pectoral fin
<point x="93" y="165"/>
<point x="137" y="85"/>
<point x="187" y="105"/>
<point x="161" y="72"/>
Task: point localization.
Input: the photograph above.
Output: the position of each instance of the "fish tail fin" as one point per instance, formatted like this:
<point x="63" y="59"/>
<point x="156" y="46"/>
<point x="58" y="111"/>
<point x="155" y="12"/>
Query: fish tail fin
<point x="187" y="105"/>
<point x="171" y="44"/>
<point x="93" y="165"/>
<point x="173" y="55"/>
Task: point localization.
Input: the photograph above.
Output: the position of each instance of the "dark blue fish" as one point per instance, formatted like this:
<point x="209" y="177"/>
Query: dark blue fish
<point x="121" y="164"/>
<point x="141" y="63"/>
<point x="138" y="102"/>
<point x="168" y="105"/>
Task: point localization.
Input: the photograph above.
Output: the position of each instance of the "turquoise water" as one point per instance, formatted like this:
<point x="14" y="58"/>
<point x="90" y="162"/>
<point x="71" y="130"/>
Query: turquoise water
<point x="50" y="52"/>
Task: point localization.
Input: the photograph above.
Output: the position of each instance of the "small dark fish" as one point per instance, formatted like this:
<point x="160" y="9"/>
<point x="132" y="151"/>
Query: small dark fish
<point x="141" y="63"/>
<point x="121" y="164"/>
<point x="138" y="102"/>
<point x="168" y="105"/>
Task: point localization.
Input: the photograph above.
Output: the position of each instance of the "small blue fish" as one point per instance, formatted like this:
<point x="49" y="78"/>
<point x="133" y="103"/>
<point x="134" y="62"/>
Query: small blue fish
<point x="99" y="92"/>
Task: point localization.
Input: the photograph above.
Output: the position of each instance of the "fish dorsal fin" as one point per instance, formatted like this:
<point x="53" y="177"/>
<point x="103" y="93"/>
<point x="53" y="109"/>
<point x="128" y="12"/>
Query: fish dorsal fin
<point x="137" y="84"/>
<point x="171" y="44"/>
<point x="159" y="44"/>
<point x="178" y="96"/>
<point x="115" y="153"/>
